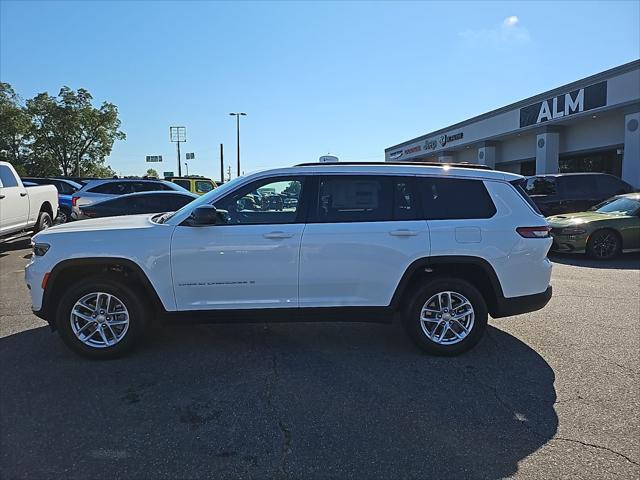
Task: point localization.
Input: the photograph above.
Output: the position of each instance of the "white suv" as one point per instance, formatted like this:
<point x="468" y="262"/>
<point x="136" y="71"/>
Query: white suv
<point x="439" y="246"/>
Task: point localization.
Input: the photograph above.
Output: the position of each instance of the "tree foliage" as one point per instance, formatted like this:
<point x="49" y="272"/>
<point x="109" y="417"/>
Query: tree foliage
<point x="151" y="172"/>
<point x="52" y="135"/>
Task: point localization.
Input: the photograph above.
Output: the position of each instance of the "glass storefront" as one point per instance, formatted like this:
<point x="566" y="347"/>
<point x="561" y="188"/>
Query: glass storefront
<point x="606" y="161"/>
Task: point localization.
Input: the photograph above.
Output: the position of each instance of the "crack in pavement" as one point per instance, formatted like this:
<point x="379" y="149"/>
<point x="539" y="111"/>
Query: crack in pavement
<point x="593" y="445"/>
<point x="272" y="379"/>
<point x="507" y="406"/>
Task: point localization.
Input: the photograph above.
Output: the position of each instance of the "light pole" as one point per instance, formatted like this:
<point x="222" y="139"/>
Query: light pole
<point x="238" y="115"/>
<point x="178" y="135"/>
<point x="186" y="167"/>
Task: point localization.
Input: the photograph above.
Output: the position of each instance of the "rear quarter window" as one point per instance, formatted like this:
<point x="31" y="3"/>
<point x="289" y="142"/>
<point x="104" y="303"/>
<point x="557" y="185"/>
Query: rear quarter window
<point x="453" y="199"/>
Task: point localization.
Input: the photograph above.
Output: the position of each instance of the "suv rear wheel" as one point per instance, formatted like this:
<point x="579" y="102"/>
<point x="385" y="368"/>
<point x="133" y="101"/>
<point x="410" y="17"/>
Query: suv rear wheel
<point x="101" y="317"/>
<point x="447" y="316"/>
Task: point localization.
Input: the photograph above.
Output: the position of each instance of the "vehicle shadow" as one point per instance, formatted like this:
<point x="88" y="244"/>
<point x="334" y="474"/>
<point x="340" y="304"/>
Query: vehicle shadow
<point x="277" y="401"/>
<point x="13" y="245"/>
<point x="626" y="261"/>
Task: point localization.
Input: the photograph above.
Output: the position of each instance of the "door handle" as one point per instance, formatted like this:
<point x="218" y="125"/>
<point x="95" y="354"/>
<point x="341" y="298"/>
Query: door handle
<point x="278" y="235"/>
<point x="1" y="197"/>
<point x="403" y="233"/>
<point x="23" y="194"/>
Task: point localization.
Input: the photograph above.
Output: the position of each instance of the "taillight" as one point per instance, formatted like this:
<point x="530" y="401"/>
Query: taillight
<point x="534" y="232"/>
<point x="74" y="201"/>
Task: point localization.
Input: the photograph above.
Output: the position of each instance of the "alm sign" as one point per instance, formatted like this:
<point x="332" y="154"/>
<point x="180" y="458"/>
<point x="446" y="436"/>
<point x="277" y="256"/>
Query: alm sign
<point x="576" y="101"/>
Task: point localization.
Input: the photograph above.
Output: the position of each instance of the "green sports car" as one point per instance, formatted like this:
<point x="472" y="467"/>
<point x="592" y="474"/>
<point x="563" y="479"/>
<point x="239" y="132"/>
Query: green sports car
<point x="603" y="232"/>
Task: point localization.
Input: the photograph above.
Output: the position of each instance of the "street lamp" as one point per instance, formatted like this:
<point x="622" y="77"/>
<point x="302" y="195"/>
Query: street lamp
<point x="238" y="115"/>
<point x="186" y="166"/>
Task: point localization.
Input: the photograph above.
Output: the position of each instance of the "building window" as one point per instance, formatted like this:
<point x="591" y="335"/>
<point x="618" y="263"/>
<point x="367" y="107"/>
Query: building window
<point x="603" y="162"/>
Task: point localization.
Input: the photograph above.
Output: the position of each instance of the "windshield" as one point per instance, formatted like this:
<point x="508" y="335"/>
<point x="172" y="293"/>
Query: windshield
<point x="205" y="199"/>
<point x="619" y="206"/>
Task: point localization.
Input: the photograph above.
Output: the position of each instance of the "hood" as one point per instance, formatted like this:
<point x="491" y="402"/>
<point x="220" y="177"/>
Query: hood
<point x="127" y="222"/>
<point x="570" y="219"/>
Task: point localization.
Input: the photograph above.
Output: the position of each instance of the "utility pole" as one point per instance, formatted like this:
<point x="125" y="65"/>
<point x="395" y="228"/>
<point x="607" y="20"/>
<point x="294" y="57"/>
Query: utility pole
<point x="178" y="135"/>
<point x="221" y="163"/>
<point x="238" y="115"/>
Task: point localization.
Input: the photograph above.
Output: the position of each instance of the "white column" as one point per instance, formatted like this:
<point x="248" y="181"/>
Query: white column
<point x="547" y="153"/>
<point x="631" y="158"/>
<point x="487" y="156"/>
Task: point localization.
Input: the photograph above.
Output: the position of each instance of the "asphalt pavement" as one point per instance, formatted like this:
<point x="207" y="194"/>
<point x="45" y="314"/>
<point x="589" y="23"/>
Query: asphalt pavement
<point x="551" y="394"/>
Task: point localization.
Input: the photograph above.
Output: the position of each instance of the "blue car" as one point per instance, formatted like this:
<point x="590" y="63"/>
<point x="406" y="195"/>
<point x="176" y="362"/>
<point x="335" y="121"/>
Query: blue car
<point x="66" y="189"/>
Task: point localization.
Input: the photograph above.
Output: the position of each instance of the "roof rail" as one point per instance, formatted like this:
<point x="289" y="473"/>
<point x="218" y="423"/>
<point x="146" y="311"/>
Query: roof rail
<point x="423" y="164"/>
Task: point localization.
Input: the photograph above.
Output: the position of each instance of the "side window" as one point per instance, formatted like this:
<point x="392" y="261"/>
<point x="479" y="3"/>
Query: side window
<point x="176" y="202"/>
<point x="354" y="199"/>
<point x="7" y="179"/>
<point x="112" y="188"/>
<point x="405" y="203"/>
<point x="269" y="201"/>
<point x="609" y="186"/>
<point x="454" y="198"/>
<point x="183" y="183"/>
<point x="203" y="186"/>
<point x="541" y="186"/>
<point x="579" y="185"/>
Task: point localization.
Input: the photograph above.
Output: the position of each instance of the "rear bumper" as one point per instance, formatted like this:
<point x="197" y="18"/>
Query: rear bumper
<point x="507" y="307"/>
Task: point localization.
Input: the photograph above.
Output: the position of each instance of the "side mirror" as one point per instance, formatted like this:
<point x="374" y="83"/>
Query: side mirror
<point x="203" y="216"/>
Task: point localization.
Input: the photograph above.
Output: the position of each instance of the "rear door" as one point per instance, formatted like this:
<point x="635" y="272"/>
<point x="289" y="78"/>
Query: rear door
<point x="580" y="192"/>
<point x="14" y="202"/>
<point x="362" y="233"/>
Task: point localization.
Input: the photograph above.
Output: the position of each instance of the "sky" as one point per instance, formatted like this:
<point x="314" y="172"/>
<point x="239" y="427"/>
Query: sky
<point x="315" y="78"/>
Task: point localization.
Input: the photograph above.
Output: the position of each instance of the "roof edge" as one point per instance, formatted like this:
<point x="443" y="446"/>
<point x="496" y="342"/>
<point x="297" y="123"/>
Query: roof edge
<point x="624" y="68"/>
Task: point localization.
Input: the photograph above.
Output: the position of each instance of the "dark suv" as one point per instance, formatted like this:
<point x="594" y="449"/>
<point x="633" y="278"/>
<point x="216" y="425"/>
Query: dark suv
<point x="573" y="192"/>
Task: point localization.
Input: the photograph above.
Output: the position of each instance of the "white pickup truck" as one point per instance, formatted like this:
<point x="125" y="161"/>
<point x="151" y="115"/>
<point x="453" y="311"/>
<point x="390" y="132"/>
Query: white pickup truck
<point x="24" y="209"/>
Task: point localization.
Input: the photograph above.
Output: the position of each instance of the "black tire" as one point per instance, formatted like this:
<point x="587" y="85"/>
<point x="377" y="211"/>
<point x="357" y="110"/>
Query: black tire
<point x="64" y="216"/>
<point x="44" y="221"/>
<point x="130" y="296"/>
<point x="414" y="325"/>
<point x="604" y="244"/>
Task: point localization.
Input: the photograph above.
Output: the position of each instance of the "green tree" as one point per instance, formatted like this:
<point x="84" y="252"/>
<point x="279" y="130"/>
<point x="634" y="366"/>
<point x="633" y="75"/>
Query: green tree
<point x="152" y="173"/>
<point x="15" y="128"/>
<point x="72" y="133"/>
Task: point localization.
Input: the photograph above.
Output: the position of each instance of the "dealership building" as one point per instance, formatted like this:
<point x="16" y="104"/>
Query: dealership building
<point x="590" y="125"/>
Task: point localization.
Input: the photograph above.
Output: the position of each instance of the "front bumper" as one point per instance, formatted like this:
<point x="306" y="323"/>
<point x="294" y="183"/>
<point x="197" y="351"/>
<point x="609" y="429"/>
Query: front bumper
<point x="569" y="243"/>
<point x="506" y="307"/>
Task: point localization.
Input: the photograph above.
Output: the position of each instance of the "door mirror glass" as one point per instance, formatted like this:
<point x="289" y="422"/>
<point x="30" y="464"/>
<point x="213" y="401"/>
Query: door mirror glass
<point x="203" y="215"/>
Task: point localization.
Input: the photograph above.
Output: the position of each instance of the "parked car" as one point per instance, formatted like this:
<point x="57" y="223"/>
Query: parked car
<point x="99" y="190"/>
<point x="573" y="192"/>
<point x="66" y="188"/>
<point x="24" y="209"/>
<point x="197" y="185"/>
<point x="608" y="229"/>
<point x="136" y="203"/>
<point x="365" y="242"/>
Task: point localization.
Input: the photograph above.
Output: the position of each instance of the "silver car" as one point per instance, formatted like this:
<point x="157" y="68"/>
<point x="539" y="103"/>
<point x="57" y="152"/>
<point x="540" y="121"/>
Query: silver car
<point x="100" y="190"/>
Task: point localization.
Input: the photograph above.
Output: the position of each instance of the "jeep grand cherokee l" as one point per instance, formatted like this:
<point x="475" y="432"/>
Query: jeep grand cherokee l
<point x="440" y="247"/>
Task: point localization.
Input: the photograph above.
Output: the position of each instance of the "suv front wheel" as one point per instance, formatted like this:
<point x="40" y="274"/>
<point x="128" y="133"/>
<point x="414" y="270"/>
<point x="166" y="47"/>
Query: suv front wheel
<point x="447" y="316"/>
<point x="101" y="317"/>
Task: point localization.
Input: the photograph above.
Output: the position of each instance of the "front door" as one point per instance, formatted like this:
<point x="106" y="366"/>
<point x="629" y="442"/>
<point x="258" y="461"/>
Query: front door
<point x="249" y="260"/>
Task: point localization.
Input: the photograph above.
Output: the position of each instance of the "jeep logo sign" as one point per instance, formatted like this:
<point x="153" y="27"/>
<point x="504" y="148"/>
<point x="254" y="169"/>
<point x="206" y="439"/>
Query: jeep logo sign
<point x="577" y="101"/>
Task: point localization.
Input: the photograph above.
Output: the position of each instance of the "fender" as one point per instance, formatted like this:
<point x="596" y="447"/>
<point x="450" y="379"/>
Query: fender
<point x="49" y="299"/>
<point x="430" y="262"/>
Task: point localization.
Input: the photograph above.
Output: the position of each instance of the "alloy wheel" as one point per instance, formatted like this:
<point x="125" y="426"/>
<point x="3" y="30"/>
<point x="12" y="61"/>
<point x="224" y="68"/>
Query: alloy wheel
<point x="447" y="318"/>
<point x="99" y="320"/>
<point x="605" y="245"/>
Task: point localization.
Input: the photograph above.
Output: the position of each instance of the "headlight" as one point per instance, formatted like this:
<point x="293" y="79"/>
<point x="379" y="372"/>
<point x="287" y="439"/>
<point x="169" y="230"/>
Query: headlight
<point x="573" y="231"/>
<point x="39" y="249"/>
